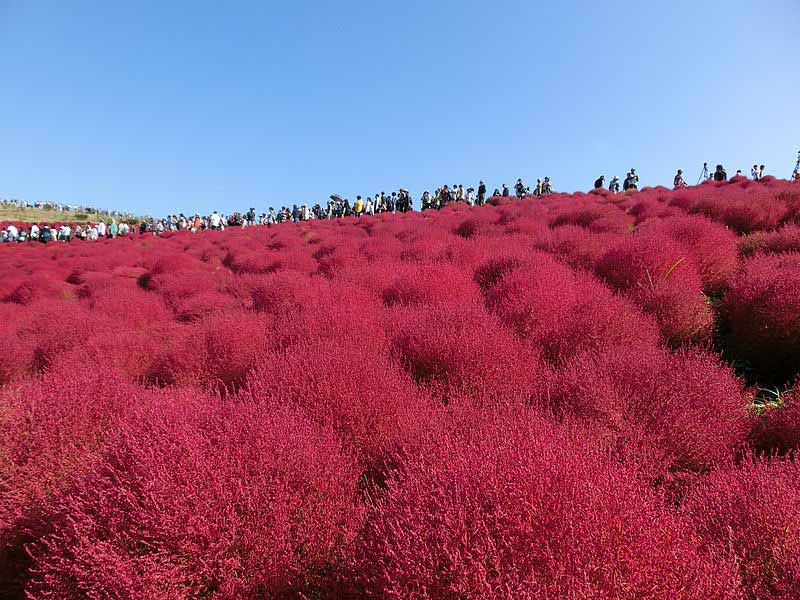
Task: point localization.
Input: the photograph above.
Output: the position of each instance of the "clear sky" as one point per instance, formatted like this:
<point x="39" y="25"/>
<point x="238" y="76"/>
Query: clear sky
<point x="167" y="106"/>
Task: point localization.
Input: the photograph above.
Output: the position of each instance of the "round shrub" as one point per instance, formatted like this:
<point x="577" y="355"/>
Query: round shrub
<point x="563" y="313"/>
<point x="762" y="309"/>
<point x="748" y="514"/>
<point x="661" y="277"/>
<point x="514" y="507"/>
<point x="662" y="411"/>
<point x="198" y="498"/>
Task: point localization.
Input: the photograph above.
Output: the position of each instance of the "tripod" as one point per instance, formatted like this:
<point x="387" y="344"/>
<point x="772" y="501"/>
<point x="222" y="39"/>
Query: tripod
<point x="796" y="166"/>
<point x="704" y="173"/>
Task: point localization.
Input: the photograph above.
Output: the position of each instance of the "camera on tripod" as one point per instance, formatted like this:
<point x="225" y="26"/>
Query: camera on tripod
<point x="703" y="174"/>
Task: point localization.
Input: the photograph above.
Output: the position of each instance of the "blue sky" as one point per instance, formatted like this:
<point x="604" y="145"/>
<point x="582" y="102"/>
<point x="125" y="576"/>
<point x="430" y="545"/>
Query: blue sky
<point x="155" y="107"/>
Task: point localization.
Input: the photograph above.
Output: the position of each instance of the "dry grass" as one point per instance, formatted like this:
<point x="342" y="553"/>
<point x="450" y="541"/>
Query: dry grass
<point x="37" y="215"/>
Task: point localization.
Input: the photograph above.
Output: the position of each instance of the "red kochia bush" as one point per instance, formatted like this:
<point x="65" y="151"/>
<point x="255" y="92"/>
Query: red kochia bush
<point x="762" y="310"/>
<point x="50" y="429"/>
<point x="500" y="256"/>
<point x="203" y="498"/>
<point x="464" y="350"/>
<point x="579" y="247"/>
<point x="742" y="212"/>
<point x="779" y="429"/>
<point x="513" y="507"/>
<point x="421" y="285"/>
<point x="354" y="389"/>
<point x="660" y="276"/>
<point x="38" y="334"/>
<point x="218" y="355"/>
<point x="594" y="216"/>
<point x="660" y="410"/>
<point x="563" y="313"/>
<point x="712" y="246"/>
<point x="751" y="514"/>
<point x="785" y="239"/>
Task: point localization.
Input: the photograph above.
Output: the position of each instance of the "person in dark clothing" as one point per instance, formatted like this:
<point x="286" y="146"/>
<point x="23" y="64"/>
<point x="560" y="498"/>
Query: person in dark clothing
<point x="631" y="181"/>
<point x="506" y="193"/>
<point x="481" y="194"/>
<point x="678" y="181"/>
<point x="519" y="188"/>
<point x="720" y="174"/>
<point x="445" y="197"/>
<point x="599" y="182"/>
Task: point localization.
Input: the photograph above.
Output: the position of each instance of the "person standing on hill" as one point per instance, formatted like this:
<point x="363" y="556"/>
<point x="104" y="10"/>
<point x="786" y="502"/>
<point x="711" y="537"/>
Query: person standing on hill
<point x="613" y="187"/>
<point x="761" y="172"/>
<point x="599" y="182"/>
<point x="481" y="193"/>
<point x="215" y="221"/>
<point x="678" y="181"/>
<point x="754" y="173"/>
<point x="358" y="207"/>
<point x="519" y="188"/>
<point x="631" y="181"/>
<point x="547" y="187"/>
<point x="626" y="183"/>
<point x="720" y="174"/>
<point x="445" y="197"/>
<point x="506" y="193"/>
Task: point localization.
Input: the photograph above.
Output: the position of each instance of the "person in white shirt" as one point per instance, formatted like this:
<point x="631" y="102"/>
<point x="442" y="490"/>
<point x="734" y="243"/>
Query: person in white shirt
<point x="216" y="220"/>
<point x="754" y="173"/>
<point x="34" y="232"/>
<point x="12" y="233"/>
<point x="101" y="229"/>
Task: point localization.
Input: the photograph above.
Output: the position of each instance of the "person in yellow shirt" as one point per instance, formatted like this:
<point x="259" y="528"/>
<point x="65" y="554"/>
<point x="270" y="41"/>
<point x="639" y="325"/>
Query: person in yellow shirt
<point x="358" y="206"/>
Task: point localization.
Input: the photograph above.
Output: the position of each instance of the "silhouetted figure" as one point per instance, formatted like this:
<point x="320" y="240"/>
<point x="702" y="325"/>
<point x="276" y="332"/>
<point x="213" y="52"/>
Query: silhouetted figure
<point x="519" y="188"/>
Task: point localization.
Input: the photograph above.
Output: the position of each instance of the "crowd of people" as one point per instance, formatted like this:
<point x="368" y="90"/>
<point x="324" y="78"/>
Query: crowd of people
<point x="335" y="208"/>
<point x="631" y="181"/>
<point x="65" y="232"/>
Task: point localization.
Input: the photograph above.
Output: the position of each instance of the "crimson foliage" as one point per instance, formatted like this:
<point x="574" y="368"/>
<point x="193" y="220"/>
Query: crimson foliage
<point x="477" y="402"/>
<point x="514" y="507"/>
<point x="745" y="513"/>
